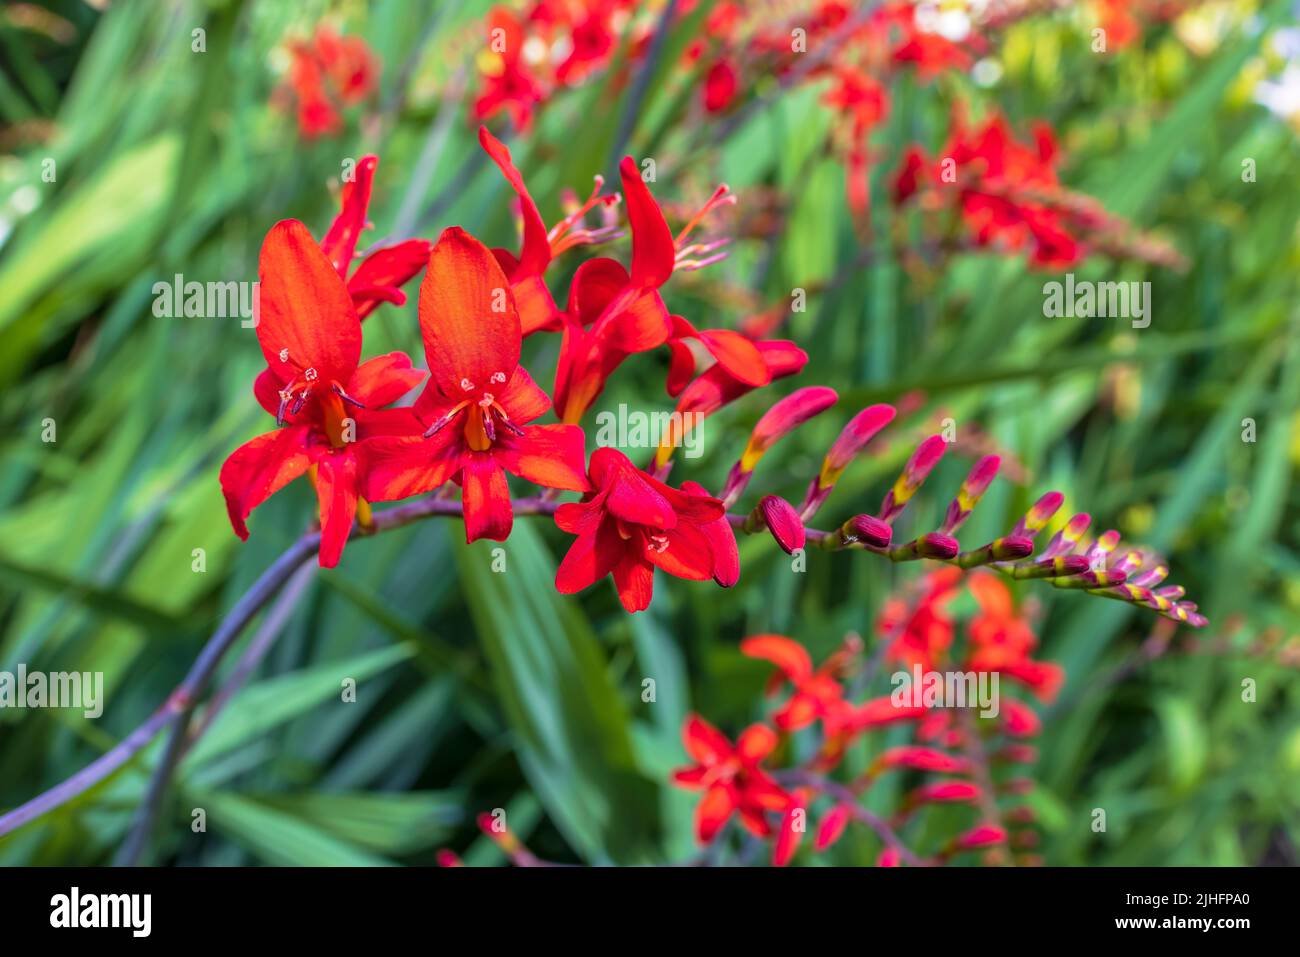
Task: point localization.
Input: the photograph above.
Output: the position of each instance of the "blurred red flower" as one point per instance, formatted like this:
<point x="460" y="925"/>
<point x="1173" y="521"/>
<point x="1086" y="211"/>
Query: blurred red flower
<point x="731" y="778"/>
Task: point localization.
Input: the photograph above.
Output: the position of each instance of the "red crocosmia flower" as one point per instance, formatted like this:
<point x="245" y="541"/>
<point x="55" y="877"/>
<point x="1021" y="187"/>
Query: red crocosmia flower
<point x="509" y="83"/>
<point x="478" y="399"/>
<point x="921" y="634"/>
<point x="317" y="115"/>
<point x="817" y="693"/>
<point x="537" y="308"/>
<point x="327" y="403"/>
<point x="1001" y="640"/>
<point x="860" y="96"/>
<point x="917" y="43"/>
<point x="348" y="63"/>
<point x="932" y="54"/>
<point x="380" y="274"/>
<point x="592" y="42"/>
<point x="631" y="524"/>
<point x="326" y="72"/>
<point x="731" y="778"/>
<point x="1121" y="27"/>
<point x="1008" y="192"/>
<point x="615" y="312"/>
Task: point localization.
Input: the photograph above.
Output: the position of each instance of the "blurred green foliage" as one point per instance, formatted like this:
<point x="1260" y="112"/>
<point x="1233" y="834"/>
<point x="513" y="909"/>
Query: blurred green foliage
<point x="478" y="690"/>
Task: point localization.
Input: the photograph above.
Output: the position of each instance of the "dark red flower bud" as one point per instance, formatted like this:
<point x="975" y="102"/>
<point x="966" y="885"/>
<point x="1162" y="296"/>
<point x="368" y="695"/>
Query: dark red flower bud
<point x="783" y="522"/>
<point x="866" y="530"/>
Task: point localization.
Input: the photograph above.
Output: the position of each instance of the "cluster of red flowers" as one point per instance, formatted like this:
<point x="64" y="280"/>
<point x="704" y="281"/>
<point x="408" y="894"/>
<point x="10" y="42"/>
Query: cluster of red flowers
<point x="472" y="423"/>
<point x="957" y="756"/>
<point x="1007" y="193"/>
<point x="998" y="192"/>
<point x="327" y="73"/>
<point x="549" y="45"/>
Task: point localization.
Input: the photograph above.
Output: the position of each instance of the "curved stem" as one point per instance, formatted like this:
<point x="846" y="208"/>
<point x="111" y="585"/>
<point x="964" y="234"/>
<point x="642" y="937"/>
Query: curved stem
<point x="196" y="681"/>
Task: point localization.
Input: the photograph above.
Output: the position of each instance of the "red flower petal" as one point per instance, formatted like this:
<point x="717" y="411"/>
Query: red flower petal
<point x="536" y="252"/>
<point x="306" y="313"/>
<point x="799" y="712"/>
<point x="266" y="389"/>
<point x="397" y="467"/>
<point x="595" y="285"/>
<point x="261" y="467"/>
<point x="653" y="251"/>
<point x="722" y="540"/>
<point x="522" y="398"/>
<point x="336" y="491"/>
<point x="590" y="558"/>
<point x="631" y="496"/>
<point x="681" y="366"/>
<point x="755" y="743"/>
<point x="486" y="499"/>
<point x="634" y="580"/>
<point x="737" y="355"/>
<point x="788" y="655"/>
<point x="372" y="423"/>
<point x="384" y="379"/>
<point x="705" y="743"/>
<point x="688" y="554"/>
<point x="548" y="455"/>
<point x="713" y="811"/>
<point x="340" y="242"/>
<point x="376" y="279"/>
<point x="536" y="305"/>
<point x="466" y="340"/>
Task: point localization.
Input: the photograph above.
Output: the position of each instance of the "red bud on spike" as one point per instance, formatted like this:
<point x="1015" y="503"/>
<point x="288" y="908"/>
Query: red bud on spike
<point x="783" y="522"/>
<point x="866" y="530"/>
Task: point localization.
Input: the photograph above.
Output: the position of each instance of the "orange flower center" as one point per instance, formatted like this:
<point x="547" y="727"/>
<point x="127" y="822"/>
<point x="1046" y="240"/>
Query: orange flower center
<point x="484" y="415"/>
